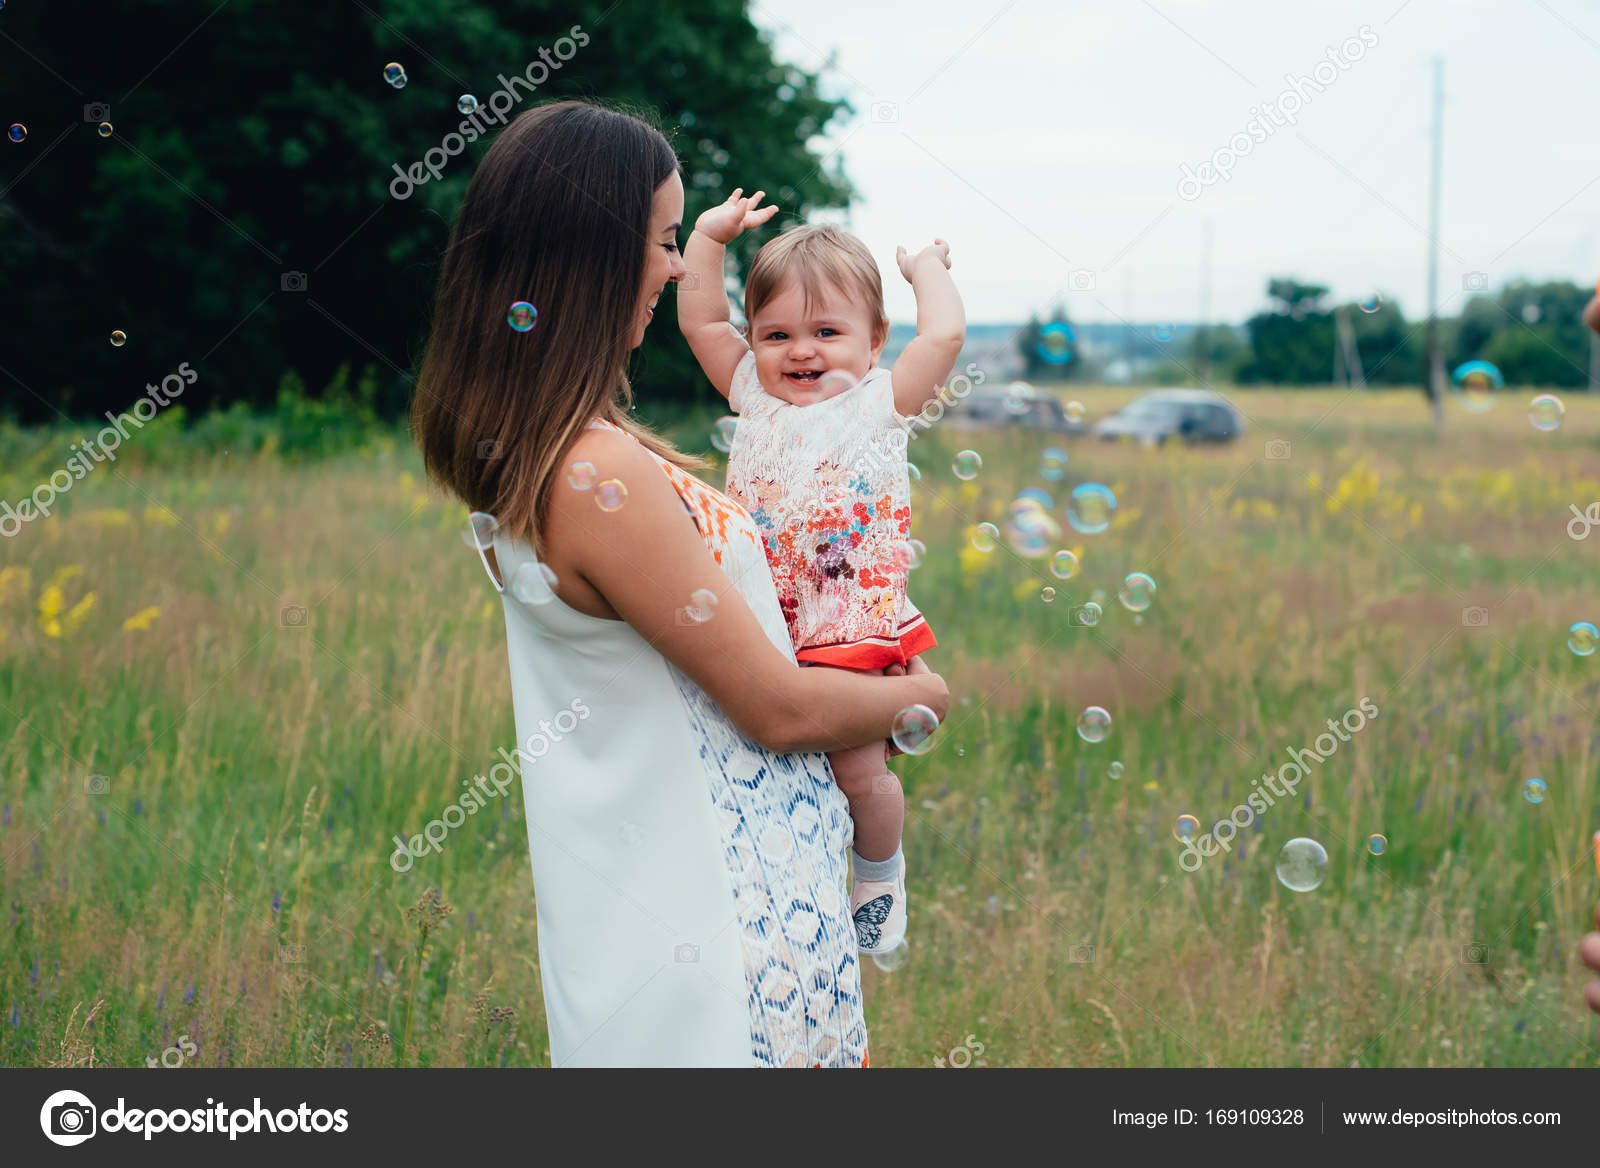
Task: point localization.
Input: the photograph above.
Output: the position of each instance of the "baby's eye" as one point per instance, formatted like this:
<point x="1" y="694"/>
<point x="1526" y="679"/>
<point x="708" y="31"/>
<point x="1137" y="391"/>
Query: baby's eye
<point x="777" y="336"/>
<point x="828" y="332"/>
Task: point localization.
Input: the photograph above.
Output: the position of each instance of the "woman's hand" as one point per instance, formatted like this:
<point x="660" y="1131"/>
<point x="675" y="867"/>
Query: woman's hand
<point x="908" y="263"/>
<point x="727" y="221"/>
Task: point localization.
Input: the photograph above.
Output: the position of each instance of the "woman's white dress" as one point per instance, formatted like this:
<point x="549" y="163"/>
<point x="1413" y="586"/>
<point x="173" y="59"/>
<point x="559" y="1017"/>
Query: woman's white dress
<point x="690" y="886"/>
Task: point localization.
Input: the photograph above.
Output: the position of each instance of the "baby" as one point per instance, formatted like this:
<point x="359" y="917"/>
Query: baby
<point x="814" y="459"/>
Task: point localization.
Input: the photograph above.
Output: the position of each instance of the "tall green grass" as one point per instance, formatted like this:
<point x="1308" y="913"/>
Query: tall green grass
<point x="232" y="881"/>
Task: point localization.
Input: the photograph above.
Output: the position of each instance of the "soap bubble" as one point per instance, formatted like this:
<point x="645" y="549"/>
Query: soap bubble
<point x="702" y="605"/>
<point x="467" y="104"/>
<point x="1533" y="790"/>
<point x="119" y="338"/>
<point x="522" y="316"/>
<point x="1475" y="382"/>
<point x="581" y="475"/>
<point x="722" y="432"/>
<point x="913" y="474"/>
<point x="1074" y="410"/>
<point x="1583" y="638"/>
<point x="1164" y="333"/>
<point x="534" y="584"/>
<point x="1087" y="615"/>
<point x="1138" y="591"/>
<point x="1053" y="464"/>
<point x="1035" y="495"/>
<point x="1091" y="507"/>
<point x="104" y="129"/>
<point x="392" y="72"/>
<point x="1302" y="864"/>
<point x="1047" y="594"/>
<point x="1019" y="397"/>
<point x="1063" y="565"/>
<point x="481" y="529"/>
<point x="913" y="729"/>
<point x="1377" y="843"/>
<point x="967" y="464"/>
<point x="894" y="959"/>
<point x="18" y="131"/>
<point x="1094" y="724"/>
<point x="985" y="537"/>
<point x="1186" y="828"/>
<point x="1114" y="771"/>
<point x="1371" y="303"/>
<point x="611" y="495"/>
<point x="1057" y="343"/>
<point x="1546" y="412"/>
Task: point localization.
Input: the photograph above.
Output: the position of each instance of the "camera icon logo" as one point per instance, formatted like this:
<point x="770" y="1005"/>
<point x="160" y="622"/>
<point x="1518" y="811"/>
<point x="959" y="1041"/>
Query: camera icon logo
<point x="488" y="449"/>
<point x="1086" y="615"/>
<point x="686" y="954"/>
<point x="1081" y="954"/>
<point x="68" y="1118"/>
<point x="1475" y="282"/>
<point x="97" y="785"/>
<point x="292" y="616"/>
<point x="1277" y="448"/>
<point x="97" y="111"/>
<point x="689" y="281"/>
<point x="292" y="282"/>
<point x="1475" y="616"/>
<point x="1475" y="954"/>
<point x="885" y="111"/>
<point x="1081" y="280"/>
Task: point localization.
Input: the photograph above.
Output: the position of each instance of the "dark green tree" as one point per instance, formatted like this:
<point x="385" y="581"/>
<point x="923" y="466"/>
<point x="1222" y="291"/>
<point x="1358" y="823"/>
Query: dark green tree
<point x="256" y="141"/>
<point x="1292" y="343"/>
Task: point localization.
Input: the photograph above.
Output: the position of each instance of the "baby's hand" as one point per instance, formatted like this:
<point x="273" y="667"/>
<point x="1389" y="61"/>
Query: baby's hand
<point x="908" y="263"/>
<point x="725" y="222"/>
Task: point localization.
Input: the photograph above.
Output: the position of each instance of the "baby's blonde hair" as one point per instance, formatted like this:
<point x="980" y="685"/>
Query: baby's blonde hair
<point x="818" y="257"/>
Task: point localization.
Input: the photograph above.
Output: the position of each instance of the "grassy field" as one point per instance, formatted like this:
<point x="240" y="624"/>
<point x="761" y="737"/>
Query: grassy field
<point x="283" y="665"/>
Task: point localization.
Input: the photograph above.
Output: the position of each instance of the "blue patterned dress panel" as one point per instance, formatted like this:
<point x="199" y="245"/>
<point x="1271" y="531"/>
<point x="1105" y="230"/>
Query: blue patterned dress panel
<point x="785" y="826"/>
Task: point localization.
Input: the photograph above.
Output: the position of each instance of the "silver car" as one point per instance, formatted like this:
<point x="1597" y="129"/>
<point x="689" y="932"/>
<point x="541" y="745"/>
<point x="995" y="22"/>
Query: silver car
<point x="1194" y="415"/>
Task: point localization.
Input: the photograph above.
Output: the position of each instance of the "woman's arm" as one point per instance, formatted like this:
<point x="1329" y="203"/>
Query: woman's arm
<point x="647" y="558"/>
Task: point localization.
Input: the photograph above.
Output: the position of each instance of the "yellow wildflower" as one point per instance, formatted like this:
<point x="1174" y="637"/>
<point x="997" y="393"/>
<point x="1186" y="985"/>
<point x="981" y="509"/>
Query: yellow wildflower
<point x="77" y="614"/>
<point x="1025" y="590"/>
<point x="141" y="620"/>
<point x="1313" y="481"/>
<point x="219" y="524"/>
<point x="972" y="560"/>
<point x="160" y="515"/>
<point x="104" y="517"/>
<point x="63" y="574"/>
<point x="50" y="603"/>
<point x="407" y="481"/>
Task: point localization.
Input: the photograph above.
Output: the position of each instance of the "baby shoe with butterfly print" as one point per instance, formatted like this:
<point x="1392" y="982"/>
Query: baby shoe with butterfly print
<point x="879" y="911"/>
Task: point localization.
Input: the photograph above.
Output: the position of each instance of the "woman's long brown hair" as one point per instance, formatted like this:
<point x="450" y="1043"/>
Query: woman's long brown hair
<point x="558" y="214"/>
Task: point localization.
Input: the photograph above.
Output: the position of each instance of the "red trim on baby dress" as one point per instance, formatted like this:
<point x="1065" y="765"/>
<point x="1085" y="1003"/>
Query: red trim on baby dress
<point x="874" y="652"/>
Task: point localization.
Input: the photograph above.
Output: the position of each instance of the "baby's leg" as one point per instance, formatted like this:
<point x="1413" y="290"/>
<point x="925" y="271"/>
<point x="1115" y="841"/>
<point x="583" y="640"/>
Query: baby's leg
<point x="877" y="805"/>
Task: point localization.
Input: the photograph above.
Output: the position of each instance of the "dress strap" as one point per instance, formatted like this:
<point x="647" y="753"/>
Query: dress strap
<point x="483" y="559"/>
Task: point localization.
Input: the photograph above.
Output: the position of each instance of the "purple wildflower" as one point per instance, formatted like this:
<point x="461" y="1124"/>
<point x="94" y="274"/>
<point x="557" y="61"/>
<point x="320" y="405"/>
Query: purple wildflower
<point x="138" y="806"/>
<point x="16" y="1018"/>
<point x="277" y="901"/>
<point x="33" y="974"/>
<point x="188" y="992"/>
<point x="472" y="918"/>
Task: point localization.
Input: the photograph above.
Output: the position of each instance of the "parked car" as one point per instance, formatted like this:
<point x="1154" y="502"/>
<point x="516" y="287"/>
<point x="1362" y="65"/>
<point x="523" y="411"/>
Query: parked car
<point x="992" y="408"/>
<point x="1195" y="415"/>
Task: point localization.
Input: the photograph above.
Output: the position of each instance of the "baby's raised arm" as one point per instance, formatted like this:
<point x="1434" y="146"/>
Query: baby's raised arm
<point x="702" y="303"/>
<point x="921" y="369"/>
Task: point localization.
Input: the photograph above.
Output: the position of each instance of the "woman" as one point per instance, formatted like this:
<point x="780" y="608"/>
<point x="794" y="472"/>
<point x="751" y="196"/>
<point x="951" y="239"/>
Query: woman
<point x="687" y="838"/>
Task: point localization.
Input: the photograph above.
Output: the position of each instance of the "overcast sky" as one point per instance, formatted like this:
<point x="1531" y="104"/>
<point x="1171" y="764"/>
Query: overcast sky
<point x="1043" y="138"/>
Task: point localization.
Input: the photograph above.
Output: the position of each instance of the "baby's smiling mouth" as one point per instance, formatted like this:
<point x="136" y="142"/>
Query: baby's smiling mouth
<point x="806" y="376"/>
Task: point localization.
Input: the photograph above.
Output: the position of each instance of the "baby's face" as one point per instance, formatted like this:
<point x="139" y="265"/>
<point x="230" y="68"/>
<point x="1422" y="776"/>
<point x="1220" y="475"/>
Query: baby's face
<point x="794" y="349"/>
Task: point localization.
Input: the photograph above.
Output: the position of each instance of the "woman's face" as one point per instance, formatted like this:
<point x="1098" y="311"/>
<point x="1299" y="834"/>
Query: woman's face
<point x="663" y="263"/>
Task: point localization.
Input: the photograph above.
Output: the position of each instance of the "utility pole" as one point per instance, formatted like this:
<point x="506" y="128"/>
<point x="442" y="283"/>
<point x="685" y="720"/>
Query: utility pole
<point x="1127" y="319"/>
<point x="1202" y="334"/>
<point x="1433" y="373"/>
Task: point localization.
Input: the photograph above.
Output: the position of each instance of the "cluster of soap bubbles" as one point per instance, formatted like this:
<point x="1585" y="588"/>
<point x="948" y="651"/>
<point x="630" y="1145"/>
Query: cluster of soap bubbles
<point x="394" y="73"/>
